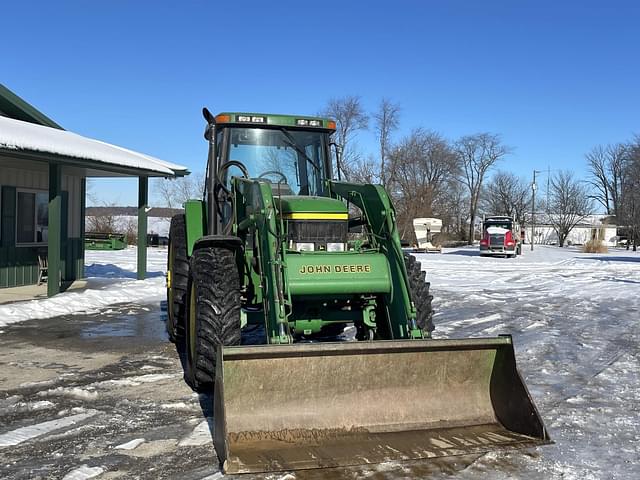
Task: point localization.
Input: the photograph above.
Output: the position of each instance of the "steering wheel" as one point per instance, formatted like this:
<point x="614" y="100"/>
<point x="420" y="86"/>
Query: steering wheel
<point x="226" y="166"/>
<point x="274" y="172"/>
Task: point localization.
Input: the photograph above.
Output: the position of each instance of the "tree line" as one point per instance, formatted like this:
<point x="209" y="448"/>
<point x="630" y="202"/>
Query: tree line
<point x="457" y="180"/>
<point x="615" y="182"/>
<point x="428" y="175"/>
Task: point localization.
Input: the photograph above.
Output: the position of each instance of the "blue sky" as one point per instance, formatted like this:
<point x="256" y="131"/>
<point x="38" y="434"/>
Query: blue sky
<point x="553" y="78"/>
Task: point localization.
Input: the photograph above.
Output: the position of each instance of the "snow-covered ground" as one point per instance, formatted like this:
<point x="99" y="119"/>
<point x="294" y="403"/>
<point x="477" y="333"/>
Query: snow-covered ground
<point x="119" y="408"/>
<point x="111" y="278"/>
<point x="575" y="321"/>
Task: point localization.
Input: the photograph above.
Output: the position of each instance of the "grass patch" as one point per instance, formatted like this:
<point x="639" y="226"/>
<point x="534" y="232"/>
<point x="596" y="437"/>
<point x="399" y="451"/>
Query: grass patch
<point x="595" y="246"/>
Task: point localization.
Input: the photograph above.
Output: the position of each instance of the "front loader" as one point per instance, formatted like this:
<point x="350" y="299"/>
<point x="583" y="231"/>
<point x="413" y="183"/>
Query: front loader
<point x="297" y="306"/>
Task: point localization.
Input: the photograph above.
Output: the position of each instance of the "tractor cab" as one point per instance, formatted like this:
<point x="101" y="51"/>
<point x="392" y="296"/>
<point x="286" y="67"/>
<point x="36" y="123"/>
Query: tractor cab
<point x="291" y="153"/>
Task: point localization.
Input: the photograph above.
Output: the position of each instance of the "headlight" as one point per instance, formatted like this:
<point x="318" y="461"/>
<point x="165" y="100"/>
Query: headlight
<point x="335" y="247"/>
<point x="309" y="247"/>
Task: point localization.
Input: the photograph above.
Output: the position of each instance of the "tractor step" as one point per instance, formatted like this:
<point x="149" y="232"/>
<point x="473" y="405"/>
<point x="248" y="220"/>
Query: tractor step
<point x="291" y="407"/>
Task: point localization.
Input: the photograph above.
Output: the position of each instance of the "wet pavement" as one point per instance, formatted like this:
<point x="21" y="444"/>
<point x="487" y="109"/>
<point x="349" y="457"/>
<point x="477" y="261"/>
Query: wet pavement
<point x="102" y="396"/>
<point x="76" y="389"/>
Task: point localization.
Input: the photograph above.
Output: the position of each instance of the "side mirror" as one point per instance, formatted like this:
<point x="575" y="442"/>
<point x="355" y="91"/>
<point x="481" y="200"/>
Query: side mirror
<point x="208" y="116"/>
<point x="338" y="150"/>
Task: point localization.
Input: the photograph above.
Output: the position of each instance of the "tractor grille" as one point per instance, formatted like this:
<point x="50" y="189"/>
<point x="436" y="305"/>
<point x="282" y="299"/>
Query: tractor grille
<point x="317" y="231"/>
<point x="496" y="240"/>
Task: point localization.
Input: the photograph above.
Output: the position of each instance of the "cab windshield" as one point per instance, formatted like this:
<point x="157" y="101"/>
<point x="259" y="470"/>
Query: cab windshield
<point x="293" y="161"/>
<point x="505" y="225"/>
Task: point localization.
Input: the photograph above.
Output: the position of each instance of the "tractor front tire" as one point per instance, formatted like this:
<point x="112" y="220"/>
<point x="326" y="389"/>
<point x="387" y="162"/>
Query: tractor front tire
<point x="420" y="293"/>
<point x="213" y="316"/>
<point x="177" y="279"/>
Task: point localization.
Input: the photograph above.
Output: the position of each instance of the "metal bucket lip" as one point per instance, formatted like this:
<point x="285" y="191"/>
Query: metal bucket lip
<point x="236" y="462"/>
<point x="375" y="347"/>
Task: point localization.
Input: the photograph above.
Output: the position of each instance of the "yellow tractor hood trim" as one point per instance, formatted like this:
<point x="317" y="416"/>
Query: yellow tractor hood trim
<point x="316" y="216"/>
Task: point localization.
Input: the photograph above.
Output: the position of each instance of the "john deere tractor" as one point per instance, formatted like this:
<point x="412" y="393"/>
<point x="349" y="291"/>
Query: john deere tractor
<point x="297" y="307"/>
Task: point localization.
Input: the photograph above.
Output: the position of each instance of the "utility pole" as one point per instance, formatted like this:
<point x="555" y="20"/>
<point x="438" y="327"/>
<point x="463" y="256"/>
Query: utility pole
<point x="548" y="182"/>
<point x="533" y="208"/>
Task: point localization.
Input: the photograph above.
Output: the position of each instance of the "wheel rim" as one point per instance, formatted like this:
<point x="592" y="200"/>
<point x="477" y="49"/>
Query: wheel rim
<point x="169" y="289"/>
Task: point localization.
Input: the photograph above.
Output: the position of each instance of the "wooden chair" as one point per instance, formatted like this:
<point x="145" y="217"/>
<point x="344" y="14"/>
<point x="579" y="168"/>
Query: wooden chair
<point x="43" y="268"/>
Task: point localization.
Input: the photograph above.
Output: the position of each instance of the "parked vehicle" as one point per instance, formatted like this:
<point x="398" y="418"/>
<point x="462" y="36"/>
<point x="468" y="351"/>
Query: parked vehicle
<point x="500" y="236"/>
<point x="425" y="229"/>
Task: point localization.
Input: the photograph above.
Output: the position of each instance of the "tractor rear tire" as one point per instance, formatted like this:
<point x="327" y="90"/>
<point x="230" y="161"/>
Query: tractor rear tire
<point x="420" y="293"/>
<point x="177" y="279"/>
<point x="213" y="315"/>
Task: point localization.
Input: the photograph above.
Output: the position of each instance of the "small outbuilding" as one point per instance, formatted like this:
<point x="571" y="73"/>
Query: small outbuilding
<point x="43" y="173"/>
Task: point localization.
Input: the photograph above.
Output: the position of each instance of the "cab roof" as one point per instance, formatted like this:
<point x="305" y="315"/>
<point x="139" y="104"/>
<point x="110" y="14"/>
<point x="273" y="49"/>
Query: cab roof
<point x="277" y="120"/>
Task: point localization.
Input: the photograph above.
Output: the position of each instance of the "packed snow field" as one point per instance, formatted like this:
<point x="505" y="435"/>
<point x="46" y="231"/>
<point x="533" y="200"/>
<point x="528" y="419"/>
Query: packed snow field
<point x="90" y="387"/>
<point x="574" y="318"/>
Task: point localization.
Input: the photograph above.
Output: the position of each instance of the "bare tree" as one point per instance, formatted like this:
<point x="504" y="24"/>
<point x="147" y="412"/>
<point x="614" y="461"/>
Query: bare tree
<point x="629" y="211"/>
<point x="104" y="223"/>
<point x="419" y="170"/>
<point x="451" y="207"/>
<point x="386" y="120"/>
<point x="477" y="154"/>
<point x="364" y="170"/>
<point x="606" y="165"/>
<point x="507" y="194"/>
<point x="618" y="157"/>
<point x="173" y="193"/>
<point x="570" y="203"/>
<point x="350" y="117"/>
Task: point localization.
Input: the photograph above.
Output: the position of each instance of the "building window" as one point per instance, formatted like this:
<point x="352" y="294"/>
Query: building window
<point x="32" y="217"/>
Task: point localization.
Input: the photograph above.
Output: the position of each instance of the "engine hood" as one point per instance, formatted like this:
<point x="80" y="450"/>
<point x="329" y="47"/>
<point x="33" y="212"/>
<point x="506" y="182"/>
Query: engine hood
<point x="306" y="207"/>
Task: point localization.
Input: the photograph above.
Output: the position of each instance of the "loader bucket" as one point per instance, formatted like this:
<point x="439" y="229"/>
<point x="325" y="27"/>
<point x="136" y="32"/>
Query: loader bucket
<point x="292" y="407"/>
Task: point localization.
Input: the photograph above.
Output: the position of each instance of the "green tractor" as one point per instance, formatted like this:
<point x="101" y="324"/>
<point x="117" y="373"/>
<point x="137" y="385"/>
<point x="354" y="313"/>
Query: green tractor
<point x="276" y="259"/>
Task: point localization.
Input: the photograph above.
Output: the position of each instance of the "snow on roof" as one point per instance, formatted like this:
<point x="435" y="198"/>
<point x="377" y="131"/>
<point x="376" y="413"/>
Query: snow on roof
<point x="19" y="135"/>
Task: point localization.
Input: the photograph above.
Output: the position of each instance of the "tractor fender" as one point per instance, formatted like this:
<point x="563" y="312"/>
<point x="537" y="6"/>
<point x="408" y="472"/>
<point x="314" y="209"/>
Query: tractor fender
<point x="227" y="241"/>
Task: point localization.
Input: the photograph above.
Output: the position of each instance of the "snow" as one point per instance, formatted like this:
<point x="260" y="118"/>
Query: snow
<point x="176" y="406"/>
<point x="83" y="472"/>
<point x="23" y="434"/>
<point x="71" y="392"/>
<point x="574" y="321"/>
<point x="19" y="135"/>
<point x="215" y="476"/>
<point x="137" y="380"/>
<point x="111" y="278"/>
<point x="201" y="435"/>
<point x="131" y="444"/>
<point x="497" y="231"/>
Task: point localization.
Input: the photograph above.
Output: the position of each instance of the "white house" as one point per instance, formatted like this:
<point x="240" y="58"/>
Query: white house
<point x="591" y="227"/>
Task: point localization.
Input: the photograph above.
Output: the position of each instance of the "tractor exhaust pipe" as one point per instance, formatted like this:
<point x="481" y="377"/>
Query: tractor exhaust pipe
<point x="212" y="168"/>
<point x="292" y="407"/>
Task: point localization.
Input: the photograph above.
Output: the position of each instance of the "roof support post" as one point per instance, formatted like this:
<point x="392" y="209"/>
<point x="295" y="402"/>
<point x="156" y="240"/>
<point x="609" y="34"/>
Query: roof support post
<point x="143" y="200"/>
<point x="54" y="239"/>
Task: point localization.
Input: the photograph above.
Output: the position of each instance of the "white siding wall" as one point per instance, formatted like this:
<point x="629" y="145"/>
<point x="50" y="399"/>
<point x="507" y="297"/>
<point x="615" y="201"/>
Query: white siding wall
<point x="578" y="236"/>
<point x="35" y="175"/>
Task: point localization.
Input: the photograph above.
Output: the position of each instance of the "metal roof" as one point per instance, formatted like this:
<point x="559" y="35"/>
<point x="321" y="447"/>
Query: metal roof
<point x="37" y="142"/>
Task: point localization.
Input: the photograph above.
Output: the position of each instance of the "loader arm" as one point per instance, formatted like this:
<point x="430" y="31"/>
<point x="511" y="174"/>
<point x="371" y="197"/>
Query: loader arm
<point x="255" y="215"/>
<point x="380" y="218"/>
